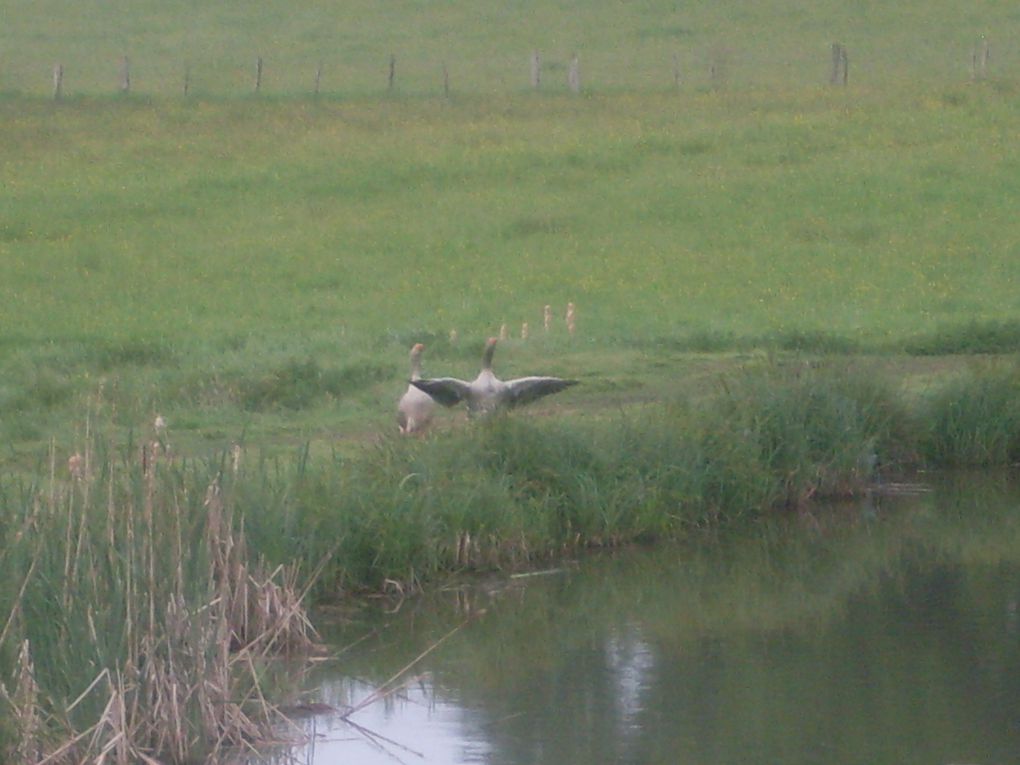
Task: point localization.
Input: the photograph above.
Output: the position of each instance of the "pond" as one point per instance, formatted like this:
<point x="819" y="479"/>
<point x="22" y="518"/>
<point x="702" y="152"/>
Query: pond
<point x="884" y="631"/>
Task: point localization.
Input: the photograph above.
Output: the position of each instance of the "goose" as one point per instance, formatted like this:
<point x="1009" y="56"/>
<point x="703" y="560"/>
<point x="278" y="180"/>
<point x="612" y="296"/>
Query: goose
<point x="414" y="410"/>
<point x="487" y="393"/>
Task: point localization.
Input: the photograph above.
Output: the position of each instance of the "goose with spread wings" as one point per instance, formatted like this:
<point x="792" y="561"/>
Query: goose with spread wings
<point x="415" y="408"/>
<point x="487" y="393"/>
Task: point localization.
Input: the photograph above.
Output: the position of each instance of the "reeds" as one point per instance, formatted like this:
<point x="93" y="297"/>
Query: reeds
<point x="139" y="625"/>
<point x="509" y="491"/>
<point x="974" y="420"/>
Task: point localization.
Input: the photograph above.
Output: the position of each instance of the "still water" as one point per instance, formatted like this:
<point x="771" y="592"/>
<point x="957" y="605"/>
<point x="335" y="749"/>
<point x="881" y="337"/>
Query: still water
<point x="883" y="632"/>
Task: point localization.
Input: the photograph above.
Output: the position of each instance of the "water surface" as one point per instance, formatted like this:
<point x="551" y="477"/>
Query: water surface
<point x="884" y="632"/>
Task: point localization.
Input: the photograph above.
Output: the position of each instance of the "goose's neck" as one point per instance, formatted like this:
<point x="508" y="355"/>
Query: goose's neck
<point x="487" y="356"/>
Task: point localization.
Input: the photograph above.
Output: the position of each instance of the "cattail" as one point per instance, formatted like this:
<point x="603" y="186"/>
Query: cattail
<point x="571" y="318"/>
<point x="548" y="317"/>
<point x="524" y="331"/>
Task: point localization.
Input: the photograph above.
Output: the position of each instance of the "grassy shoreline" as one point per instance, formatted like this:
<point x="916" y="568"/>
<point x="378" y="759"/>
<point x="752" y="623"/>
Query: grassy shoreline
<point x="502" y="494"/>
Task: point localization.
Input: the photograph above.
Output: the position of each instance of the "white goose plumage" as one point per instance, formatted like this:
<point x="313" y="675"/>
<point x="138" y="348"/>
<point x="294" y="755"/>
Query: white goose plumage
<point x="414" y="410"/>
<point x="487" y="393"/>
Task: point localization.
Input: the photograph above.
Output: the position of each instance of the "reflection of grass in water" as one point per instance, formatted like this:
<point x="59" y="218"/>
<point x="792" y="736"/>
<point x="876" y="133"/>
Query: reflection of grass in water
<point x="783" y="578"/>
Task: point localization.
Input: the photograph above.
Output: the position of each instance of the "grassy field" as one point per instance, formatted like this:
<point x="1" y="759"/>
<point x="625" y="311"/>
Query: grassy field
<point x="266" y="263"/>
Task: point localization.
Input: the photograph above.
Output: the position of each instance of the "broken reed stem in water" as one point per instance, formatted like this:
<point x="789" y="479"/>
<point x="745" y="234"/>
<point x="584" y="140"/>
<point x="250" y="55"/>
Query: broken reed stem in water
<point x="387" y="688"/>
<point x="143" y="572"/>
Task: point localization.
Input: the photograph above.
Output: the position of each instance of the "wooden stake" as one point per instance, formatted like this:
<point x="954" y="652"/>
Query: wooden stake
<point x="574" y="75"/>
<point x="187" y="78"/>
<point x="58" y="81"/>
<point x="834" y="73"/>
<point x="393" y="72"/>
<point x="258" y="74"/>
<point x="125" y="75"/>
<point x="840" y="65"/>
<point x="446" y="81"/>
<point x="676" y="71"/>
<point x="318" y="77"/>
<point x="547" y="317"/>
<point x="536" y="70"/>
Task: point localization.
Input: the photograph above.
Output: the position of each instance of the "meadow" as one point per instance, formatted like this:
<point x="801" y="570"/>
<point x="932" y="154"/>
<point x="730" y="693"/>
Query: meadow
<point x="263" y="265"/>
<point x="785" y="290"/>
<point x="253" y="266"/>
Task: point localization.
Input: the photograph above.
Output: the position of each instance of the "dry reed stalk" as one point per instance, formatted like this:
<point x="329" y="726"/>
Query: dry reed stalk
<point x="25" y="707"/>
<point x="189" y="682"/>
<point x="388" y="688"/>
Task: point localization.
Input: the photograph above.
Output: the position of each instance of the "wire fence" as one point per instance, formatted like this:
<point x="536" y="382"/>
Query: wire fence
<point x="711" y="69"/>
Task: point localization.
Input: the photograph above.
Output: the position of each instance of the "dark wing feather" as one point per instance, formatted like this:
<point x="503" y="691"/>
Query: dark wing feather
<point x="526" y="389"/>
<point x="448" y="391"/>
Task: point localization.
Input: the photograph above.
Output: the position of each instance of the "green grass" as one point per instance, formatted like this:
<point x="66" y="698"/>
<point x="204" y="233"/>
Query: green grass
<point x="265" y="264"/>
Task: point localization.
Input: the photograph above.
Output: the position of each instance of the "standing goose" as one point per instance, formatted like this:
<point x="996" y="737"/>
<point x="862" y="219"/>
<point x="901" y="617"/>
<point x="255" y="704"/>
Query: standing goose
<point x="414" y="410"/>
<point x="487" y="393"/>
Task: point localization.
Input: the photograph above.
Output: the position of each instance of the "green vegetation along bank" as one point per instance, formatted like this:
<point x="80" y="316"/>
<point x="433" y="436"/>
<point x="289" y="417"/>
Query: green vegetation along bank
<point x="129" y="580"/>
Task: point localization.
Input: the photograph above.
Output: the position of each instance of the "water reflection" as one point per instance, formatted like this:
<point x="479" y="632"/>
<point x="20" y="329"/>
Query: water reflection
<point x="879" y="633"/>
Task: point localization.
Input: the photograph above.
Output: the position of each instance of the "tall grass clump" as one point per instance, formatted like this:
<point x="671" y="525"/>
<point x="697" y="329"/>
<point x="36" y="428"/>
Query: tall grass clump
<point x="137" y="625"/>
<point x="818" y="433"/>
<point x="974" y="420"/>
<point x="971" y="337"/>
<point x="512" y="490"/>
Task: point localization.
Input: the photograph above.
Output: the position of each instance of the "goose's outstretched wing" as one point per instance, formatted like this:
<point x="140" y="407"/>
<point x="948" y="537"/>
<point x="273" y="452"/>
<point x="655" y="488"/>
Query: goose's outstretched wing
<point x="526" y="389"/>
<point x="448" y="391"/>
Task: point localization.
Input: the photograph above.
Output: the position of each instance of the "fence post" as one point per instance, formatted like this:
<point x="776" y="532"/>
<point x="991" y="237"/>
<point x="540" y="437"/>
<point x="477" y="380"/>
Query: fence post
<point x="536" y="70"/>
<point x="574" y="75"/>
<point x="318" y="77"/>
<point x="393" y="72"/>
<point x="840" y="65"/>
<point x="187" y="78"/>
<point x="125" y="75"/>
<point x="258" y="74"/>
<point x="58" y="81"/>
<point x="979" y="60"/>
